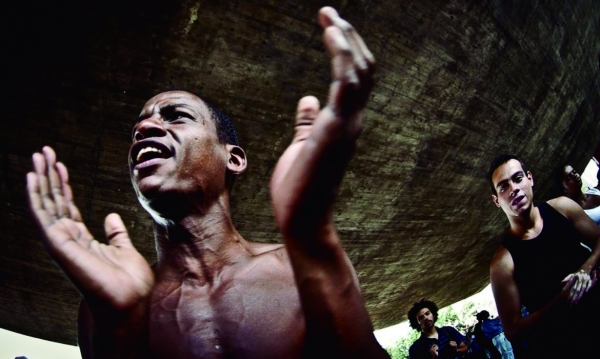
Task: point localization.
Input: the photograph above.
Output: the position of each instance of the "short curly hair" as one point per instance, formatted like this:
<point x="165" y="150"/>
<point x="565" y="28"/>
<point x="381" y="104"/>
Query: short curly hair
<point x="412" y="313"/>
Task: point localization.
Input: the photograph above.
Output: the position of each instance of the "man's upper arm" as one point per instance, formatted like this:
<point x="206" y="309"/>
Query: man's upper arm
<point x="504" y="287"/>
<point x="580" y="220"/>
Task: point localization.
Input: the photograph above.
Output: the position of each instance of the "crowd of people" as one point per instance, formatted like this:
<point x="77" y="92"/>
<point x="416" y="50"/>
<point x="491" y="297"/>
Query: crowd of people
<point x="485" y="340"/>
<point x="542" y="266"/>
<point x="542" y="275"/>
<point x="213" y="294"/>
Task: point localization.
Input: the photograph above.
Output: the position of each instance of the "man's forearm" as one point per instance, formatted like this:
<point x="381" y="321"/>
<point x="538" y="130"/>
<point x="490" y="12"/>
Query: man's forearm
<point x="523" y="325"/>
<point x="462" y="348"/>
<point x="593" y="259"/>
<point x="118" y="336"/>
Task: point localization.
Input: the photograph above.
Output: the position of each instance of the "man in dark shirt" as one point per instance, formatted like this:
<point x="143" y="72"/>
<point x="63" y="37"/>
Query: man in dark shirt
<point x="489" y="334"/>
<point x="434" y="342"/>
<point x="542" y="266"/>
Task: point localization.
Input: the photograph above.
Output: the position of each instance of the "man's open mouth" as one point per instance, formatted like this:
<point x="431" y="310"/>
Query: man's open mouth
<point x="517" y="200"/>
<point x="145" y="153"/>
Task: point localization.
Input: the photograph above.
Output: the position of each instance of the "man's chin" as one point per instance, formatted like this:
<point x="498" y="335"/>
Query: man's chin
<point x="523" y="210"/>
<point x="147" y="192"/>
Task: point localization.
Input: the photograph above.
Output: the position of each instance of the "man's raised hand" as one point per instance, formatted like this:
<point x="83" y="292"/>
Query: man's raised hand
<point x="307" y="176"/>
<point x="113" y="276"/>
<point x="303" y="190"/>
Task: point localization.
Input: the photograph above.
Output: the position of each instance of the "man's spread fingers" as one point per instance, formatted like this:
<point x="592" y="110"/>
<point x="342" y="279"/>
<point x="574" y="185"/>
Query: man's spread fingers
<point x="64" y="180"/>
<point x="366" y="53"/>
<point x="568" y="282"/>
<point x="325" y="16"/>
<point x="72" y="210"/>
<point x="33" y="191"/>
<point x="355" y="43"/>
<point x="342" y="57"/>
<point x="56" y="190"/>
<point x="47" y="203"/>
<point x="35" y="200"/>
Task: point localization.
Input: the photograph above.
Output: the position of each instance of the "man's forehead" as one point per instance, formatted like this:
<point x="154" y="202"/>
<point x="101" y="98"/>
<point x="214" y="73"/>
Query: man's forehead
<point x="568" y="169"/>
<point x="171" y="97"/>
<point x="423" y="311"/>
<point x="506" y="170"/>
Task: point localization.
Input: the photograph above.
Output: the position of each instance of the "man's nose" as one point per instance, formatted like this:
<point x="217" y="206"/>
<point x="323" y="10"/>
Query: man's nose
<point x="513" y="190"/>
<point x="149" y="127"/>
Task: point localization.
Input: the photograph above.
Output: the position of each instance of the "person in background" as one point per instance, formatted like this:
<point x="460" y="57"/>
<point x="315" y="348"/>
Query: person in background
<point x="490" y="331"/>
<point x="569" y="184"/>
<point x="434" y="342"/>
<point x="542" y="266"/>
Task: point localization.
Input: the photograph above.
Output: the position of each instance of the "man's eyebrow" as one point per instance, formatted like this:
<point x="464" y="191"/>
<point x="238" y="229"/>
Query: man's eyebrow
<point x="167" y="108"/>
<point x="501" y="183"/>
<point x="511" y="177"/>
<point x="517" y="174"/>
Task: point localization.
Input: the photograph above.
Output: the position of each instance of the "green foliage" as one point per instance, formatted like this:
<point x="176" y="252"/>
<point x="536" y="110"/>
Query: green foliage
<point x="463" y="321"/>
<point x="400" y="350"/>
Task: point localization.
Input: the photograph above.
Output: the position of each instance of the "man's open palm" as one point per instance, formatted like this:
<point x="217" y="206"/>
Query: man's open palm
<point x="115" y="275"/>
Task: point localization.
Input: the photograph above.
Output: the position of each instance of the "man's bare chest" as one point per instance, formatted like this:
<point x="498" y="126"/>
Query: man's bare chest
<point x="237" y="319"/>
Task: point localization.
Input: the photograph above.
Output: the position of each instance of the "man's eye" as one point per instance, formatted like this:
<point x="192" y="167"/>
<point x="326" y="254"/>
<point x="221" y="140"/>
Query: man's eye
<point x="179" y="116"/>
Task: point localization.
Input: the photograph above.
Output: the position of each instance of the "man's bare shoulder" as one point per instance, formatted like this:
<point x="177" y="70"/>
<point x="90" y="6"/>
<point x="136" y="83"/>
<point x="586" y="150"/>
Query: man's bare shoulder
<point x="502" y="260"/>
<point x="270" y="259"/>
<point x="257" y="248"/>
<point x="564" y="205"/>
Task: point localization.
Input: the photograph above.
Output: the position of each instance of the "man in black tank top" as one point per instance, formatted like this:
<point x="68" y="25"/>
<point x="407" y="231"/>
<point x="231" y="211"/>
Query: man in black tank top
<point x="542" y="266"/>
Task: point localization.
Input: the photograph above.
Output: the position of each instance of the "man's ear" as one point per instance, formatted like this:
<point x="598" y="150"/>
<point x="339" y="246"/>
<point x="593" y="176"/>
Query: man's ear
<point x="530" y="177"/>
<point x="495" y="199"/>
<point x="236" y="163"/>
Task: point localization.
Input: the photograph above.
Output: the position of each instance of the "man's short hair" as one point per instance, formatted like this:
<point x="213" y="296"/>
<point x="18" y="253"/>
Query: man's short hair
<point x="225" y="130"/>
<point x="412" y="313"/>
<point x="499" y="161"/>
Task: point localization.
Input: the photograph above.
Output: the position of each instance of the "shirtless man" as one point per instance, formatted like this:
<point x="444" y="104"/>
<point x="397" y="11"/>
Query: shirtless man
<point x="542" y="266"/>
<point x="212" y="294"/>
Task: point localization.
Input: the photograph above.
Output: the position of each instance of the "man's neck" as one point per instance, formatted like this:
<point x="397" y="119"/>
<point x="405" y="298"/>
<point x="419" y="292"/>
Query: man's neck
<point x="199" y="245"/>
<point x="431" y="332"/>
<point x="528" y="225"/>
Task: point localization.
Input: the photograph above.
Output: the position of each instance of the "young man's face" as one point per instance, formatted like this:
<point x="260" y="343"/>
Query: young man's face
<point x="571" y="181"/>
<point x="175" y="148"/>
<point x="514" y="188"/>
<point x="425" y="319"/>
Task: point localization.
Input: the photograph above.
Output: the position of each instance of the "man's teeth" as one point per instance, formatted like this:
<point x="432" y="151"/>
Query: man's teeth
<point x="145" y="150"/>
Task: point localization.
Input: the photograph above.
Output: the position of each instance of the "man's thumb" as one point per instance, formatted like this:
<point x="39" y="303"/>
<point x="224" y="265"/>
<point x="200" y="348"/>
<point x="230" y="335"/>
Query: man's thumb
<point x="116" y="233"/>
